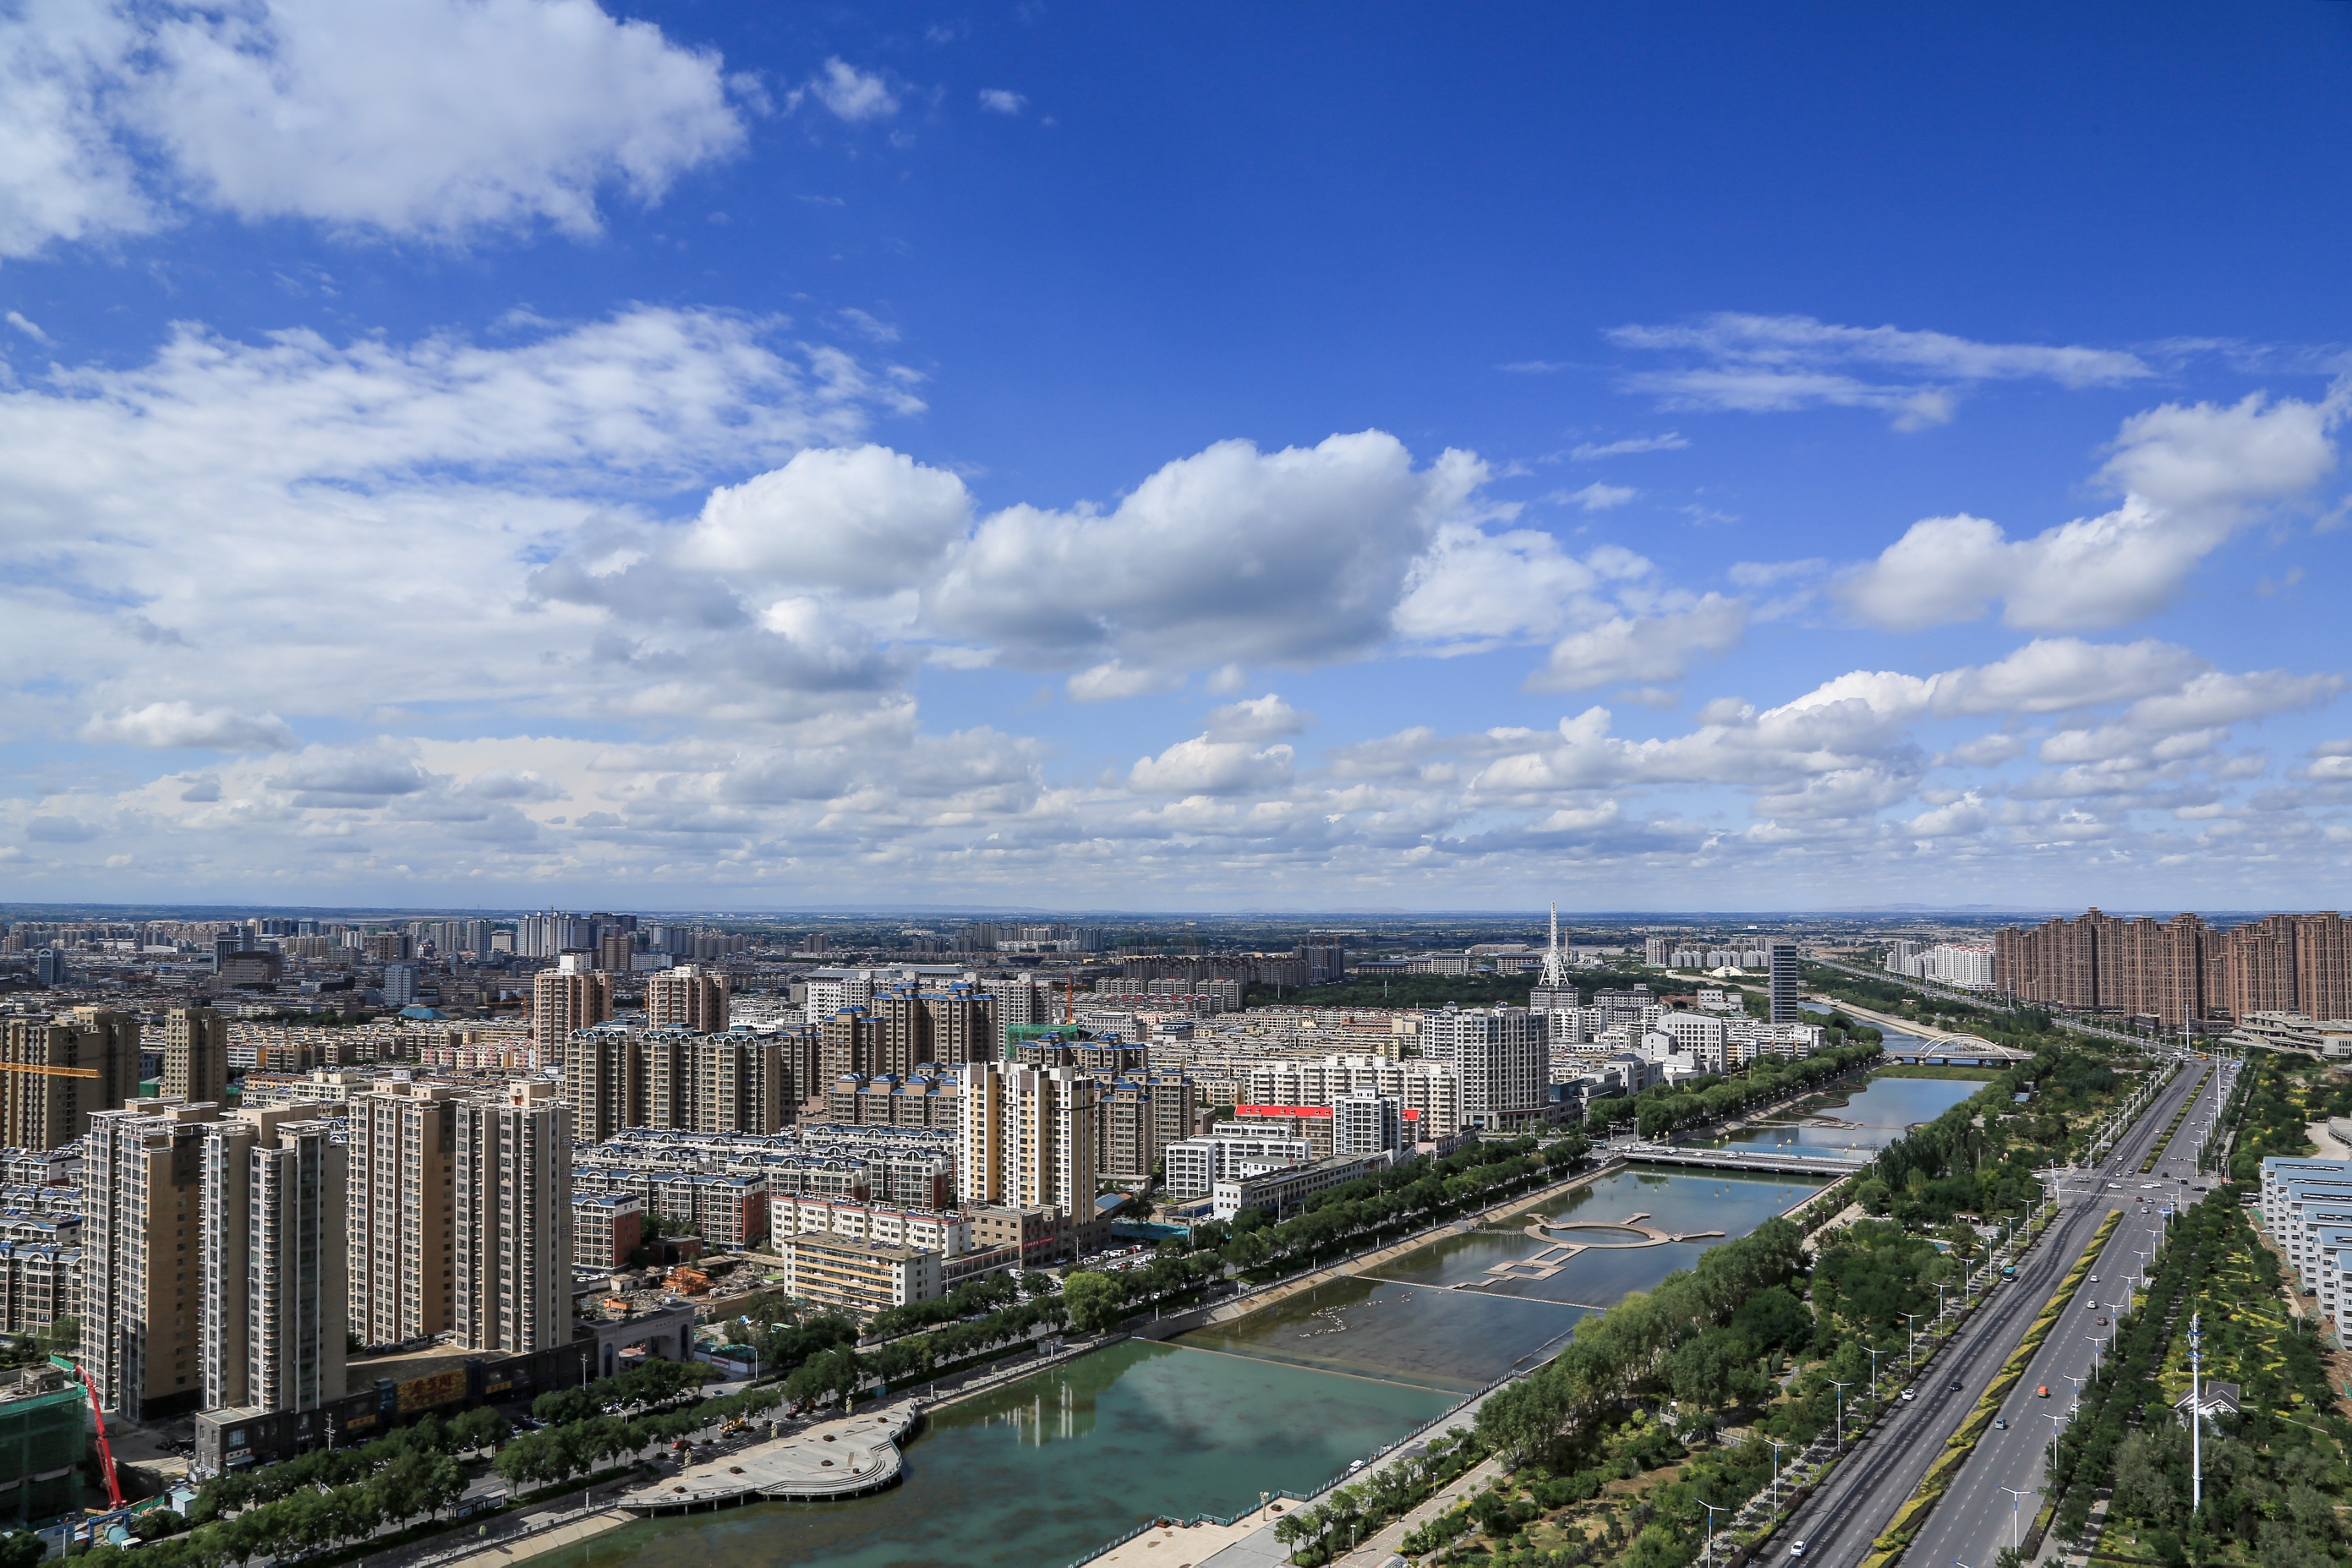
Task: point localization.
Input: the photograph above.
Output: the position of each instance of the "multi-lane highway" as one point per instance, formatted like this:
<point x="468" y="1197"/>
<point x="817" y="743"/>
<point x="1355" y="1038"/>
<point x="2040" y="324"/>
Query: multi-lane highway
<point x="1839" y="1521"/>
<point x="1974" y="1520"/>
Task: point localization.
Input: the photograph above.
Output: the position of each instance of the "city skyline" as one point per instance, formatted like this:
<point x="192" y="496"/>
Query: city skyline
<point x="779" y="461"/>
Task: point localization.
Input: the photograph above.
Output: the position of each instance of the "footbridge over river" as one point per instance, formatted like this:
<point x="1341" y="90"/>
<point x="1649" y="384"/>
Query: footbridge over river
<point x="1927" y="1044"/>
<point x="1827" y="1164"/>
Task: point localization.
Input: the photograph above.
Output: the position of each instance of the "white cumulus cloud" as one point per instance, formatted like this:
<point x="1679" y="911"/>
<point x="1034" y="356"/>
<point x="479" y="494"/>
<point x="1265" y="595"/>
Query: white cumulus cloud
<point x="852" y="94"/>
<point x="169" y="725"/>
<point x="2190" y="476"/>
<point x="440" y="117"/>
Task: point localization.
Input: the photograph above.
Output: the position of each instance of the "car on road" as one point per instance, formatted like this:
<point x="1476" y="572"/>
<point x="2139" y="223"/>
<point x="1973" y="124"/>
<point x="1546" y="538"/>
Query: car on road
<point x="1795" y="1549"/>
<point x="2001" y="1423"/>
<point x="2042" y="1391"/>
<point x="2102" y="1323"/>
<point x="1908" y="1395"/>
<point x="1956" y="1386"/>
<point x="2095" y="1278"/>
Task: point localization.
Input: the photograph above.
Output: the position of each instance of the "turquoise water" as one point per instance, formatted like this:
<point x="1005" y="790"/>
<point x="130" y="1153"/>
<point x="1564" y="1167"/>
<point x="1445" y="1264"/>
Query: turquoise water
<point x="1047" y="1469"/>
<point x="1871" y="1119"/>
<point x="1413" y="1319"/>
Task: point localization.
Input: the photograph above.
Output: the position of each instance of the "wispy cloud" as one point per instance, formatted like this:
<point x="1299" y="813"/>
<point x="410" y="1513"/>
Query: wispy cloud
<point x="998" y="101"/>
<point x="1774" y="364"/>
<point x="1592" y="452"/>
<point x="1595" y="498"/>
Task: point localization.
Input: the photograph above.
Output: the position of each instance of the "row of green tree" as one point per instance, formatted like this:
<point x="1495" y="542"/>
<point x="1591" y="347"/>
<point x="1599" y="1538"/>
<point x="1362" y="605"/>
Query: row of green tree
<point x="555" y="1454"/>
<point x="1709" y="1098"/>
<point x="2275" y="1482"/>
<point x="1403" y="1197"/>
<point x="2278" y="1096"/>
<point x="843" y="1369"/>
<point x="1638" y="1346"/>
<point x="1979" y="1157"/>
<point x="330" y="1496"/>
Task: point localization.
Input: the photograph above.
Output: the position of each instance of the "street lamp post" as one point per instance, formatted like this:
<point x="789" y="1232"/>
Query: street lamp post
<point x="2196" y="1415"/>
<point x="1711" y="1511"/>
<point x="2096" y="1342"/>
<point x="1841" y="1387"/>
<point x="2016" y="1496"/>
<point x="1911" y="1346"/>
<point x="1777" y="1446"/>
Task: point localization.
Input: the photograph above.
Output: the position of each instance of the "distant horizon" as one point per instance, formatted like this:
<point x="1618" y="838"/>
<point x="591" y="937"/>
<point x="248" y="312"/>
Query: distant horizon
<point x="12" y="912"/>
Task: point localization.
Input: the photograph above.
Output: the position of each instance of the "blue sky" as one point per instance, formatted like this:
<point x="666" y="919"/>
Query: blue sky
<point x="1204" y="458"/>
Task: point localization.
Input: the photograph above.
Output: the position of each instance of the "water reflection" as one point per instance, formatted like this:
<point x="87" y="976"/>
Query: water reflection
<point x="1050" y="1468"/>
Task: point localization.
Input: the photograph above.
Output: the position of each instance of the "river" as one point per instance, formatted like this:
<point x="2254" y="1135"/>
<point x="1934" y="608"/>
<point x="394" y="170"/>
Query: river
<point x="1049" y="1468"/>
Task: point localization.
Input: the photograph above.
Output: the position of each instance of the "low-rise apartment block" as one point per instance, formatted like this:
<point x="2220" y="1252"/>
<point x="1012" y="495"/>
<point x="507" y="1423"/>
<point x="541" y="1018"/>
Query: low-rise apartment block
<point x="857" y="1276"/>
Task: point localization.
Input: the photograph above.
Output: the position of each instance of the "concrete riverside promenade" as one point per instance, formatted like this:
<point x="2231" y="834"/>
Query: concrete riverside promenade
<point x="846" y="1457"/>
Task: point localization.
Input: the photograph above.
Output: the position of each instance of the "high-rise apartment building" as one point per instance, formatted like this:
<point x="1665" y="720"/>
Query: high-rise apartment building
<point x="830" y="990"/>
<point x="688" y="998"/>
<point x="195" y="1055"/>
<point x="1017" y="1000"/>
<point x="736" y="1081"/>
<point x="1503" y="1057"/>
<point x="2180" y="971"/>
<point x="1780" y="979"/>
<point x="274" y="1298"/>
<point x="604" y="1079"/>
<point x="402" y="1271"/>
<point x="513" y="1242"/>
<point x="741" y="1084"/>
<point x="947" y="1026"/>
<point x="142" y="1257"/>
<point x="1029" y="1138"/>
<point x="1430" y="1093"/>
<point x="49" y="1109"/>
<point x="851" y="1041"/>
<point x="1139" y="1116"/>
<point x="566" y="999"/>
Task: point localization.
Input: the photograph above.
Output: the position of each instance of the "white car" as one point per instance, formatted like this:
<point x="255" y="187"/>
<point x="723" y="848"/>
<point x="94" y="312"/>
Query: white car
<point x="1795" y="1549"/>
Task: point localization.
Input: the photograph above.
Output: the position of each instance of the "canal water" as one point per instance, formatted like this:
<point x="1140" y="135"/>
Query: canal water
<point x="1049" y="1468"/>
<point x="1862" y="1121"/>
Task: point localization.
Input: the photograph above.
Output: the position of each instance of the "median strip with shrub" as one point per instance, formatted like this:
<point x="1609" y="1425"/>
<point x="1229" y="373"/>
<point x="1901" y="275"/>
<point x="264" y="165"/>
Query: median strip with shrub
<point x="1904" y="1527"/>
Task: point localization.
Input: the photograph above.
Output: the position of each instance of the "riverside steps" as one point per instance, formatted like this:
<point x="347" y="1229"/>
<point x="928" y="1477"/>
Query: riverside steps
<point x="847" y="1457"/>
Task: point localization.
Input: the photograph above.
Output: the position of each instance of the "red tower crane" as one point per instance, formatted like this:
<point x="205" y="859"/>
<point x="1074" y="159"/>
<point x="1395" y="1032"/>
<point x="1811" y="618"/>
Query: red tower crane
<point x="105" y="1451"/>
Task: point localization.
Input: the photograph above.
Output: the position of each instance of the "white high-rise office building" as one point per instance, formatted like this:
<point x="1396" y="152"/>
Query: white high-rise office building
<point x="1503" y="1055"/>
